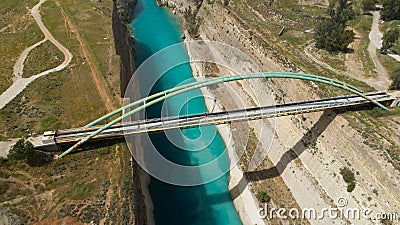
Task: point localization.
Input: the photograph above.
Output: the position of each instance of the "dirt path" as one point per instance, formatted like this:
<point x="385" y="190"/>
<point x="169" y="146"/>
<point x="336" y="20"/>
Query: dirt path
<point x="19" y="65"/>
<point x="20" y="83"/>
<point x="376" y="37"/>
<point x="375" y="42"/>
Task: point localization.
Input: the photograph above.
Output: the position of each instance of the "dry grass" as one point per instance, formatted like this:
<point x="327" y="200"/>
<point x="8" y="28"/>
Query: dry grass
<point x="42" y="58"/>
<point x="80" y="184"/>
<point x="65" y="188"/>
<point x="68" y="98"/>
<point x="18" y="31"/>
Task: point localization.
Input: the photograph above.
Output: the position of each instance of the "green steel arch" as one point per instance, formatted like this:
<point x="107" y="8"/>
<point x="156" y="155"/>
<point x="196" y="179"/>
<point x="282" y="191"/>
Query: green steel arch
<point x="155" y="98"/>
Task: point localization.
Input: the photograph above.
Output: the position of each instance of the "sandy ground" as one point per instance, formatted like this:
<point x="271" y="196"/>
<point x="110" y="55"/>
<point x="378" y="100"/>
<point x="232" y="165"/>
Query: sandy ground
<point x="19" y="82"/>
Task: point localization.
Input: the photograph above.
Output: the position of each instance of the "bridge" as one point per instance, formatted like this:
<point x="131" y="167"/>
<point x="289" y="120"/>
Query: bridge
<point x="75" y="138"/>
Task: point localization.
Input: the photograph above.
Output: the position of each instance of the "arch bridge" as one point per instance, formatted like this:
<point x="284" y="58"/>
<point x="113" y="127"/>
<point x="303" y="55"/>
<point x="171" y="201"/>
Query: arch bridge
<point x="114" y="129"/>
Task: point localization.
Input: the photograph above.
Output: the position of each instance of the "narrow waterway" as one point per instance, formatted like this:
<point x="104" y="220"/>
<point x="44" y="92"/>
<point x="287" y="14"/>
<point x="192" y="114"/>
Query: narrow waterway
<point x="154" y="29"/>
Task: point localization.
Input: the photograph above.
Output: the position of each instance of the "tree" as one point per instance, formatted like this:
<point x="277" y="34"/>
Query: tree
<point x="395" y="76"/>
<point x="368" y="4"/>
<point x="351" y="186"/>
<point x="347" y="174"/>
<point x="341" y="11"/>
<point x="23" y="150"/>
<point x="332" y="34"/>
<point x="389" y="38"/>
<point x="192" y="22"/>
<point x="19" y="151"/>
<point x="391" y="10"/>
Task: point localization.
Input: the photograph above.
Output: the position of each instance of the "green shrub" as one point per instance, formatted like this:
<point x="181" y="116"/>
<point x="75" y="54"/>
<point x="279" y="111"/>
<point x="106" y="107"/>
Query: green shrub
<point x="391" y="10"/>
<point x="3" y="161"/>
<point x="347" y="174"/>
<point x="386" y="222"/>
<point x="368" y="4"/>
<point x="80" y="191"/>
<point x="395" y="76"/>
<point x="332" y="34"/>
<point x="192" y="22"/>
<point x="23" y="150"/>
<point x="351" y="186"/>
<point x="389" y="38"/>
<point x="262" y="196"/>
<point x="20" y="150"/>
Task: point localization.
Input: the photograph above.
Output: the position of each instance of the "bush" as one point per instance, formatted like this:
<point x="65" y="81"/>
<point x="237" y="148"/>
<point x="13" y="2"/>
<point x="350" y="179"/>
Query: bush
<point x="368" y="4"/>
<point x="80" y="191"/>
<point x="262" y="196"/>
<point x="391" y="10"/>
<point x="192" y="22"/>
<point x="347" y="174"/>
<point x="20" y="150"/>
<point x="331" y="34"/>
<point x="395" y="76"/>
<point x="351" y="186"/>
<point x="3" y="161"/>
<point x="23" y="150"/>
<point x="389" y="38"/>
<point x="386" y="222"/>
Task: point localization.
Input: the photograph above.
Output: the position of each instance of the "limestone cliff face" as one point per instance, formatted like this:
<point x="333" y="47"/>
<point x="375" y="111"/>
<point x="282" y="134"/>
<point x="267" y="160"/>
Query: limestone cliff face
<point x="179" y="5"/>
<point x="124" y="40"/>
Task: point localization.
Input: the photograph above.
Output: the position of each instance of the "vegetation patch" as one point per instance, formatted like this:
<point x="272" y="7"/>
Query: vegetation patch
<point x="263" y="197"/>
<point x="391" y="10"/>
<point x="42" y="58"/>
<point x="332" y="34"/>
<point x="18" y="30"/>
<point x="395" y="76"/>
<point x="191" y="21"/>
<point x="391" y="36"/>
<point x="349" y="178"/>
<point x="362" y="25"/>
<point x="80" y="191"/>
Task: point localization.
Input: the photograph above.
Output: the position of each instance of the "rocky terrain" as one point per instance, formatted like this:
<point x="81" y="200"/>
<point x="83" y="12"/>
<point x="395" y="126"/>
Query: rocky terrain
<point x="308" y="151"/>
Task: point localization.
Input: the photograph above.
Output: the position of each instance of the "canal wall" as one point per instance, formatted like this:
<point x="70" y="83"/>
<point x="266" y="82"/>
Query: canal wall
<point x="124" y="41"/>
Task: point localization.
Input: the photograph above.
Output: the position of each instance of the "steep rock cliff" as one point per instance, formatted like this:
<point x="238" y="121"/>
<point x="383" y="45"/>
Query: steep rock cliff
<point x="124" y="40"/>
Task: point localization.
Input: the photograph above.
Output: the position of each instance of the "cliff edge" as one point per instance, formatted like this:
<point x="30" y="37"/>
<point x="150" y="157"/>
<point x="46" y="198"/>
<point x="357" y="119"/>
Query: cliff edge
<point x="122" y="16"/>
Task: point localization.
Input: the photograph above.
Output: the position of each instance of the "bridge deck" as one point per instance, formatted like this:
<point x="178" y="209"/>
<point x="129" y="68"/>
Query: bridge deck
<point x="153" y="125"/>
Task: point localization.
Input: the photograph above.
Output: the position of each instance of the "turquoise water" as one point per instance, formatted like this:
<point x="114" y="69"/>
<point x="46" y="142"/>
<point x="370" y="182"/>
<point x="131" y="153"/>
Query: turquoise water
<point x="154" y="29"/>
